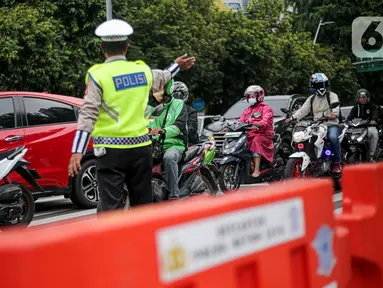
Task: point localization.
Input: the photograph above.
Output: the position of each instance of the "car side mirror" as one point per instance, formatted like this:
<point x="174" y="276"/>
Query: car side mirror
<point x="158" y="110"/>
<point x="284" y="110"/>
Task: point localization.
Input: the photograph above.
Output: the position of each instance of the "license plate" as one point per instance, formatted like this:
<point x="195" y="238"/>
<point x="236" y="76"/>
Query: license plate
<point x="232" y="134"/>
<point x="355" y="131"/>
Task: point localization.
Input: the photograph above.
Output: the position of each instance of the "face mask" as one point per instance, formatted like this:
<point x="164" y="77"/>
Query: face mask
<point x="252" y="101"/>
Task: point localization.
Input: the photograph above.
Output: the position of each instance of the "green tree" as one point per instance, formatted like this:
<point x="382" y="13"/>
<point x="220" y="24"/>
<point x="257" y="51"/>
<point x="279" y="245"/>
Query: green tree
<point x="52" y="45"/>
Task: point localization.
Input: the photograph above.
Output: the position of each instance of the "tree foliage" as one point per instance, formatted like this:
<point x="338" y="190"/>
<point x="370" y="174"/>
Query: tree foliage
<point x="49" y="45"/>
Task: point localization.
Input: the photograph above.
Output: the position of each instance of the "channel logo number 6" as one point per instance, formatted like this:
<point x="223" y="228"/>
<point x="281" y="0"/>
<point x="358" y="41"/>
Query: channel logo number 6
<point x="367" y="37"/>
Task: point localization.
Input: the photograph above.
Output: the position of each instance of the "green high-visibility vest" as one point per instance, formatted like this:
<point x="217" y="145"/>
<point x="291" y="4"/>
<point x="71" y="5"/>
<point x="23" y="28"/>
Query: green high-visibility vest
<point x="125" y="87"/>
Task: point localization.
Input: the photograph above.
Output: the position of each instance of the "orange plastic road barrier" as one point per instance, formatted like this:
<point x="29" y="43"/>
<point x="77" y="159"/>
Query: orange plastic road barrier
<point x="277" y="236"/>
<point x="363" y="217"/>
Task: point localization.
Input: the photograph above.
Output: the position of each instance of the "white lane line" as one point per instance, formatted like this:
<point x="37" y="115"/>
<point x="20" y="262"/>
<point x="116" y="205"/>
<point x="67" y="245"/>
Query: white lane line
<point x="39" y="214"/>
<point x="254" y="185"/>
<point x="50" y="198"/>
<point x="63" y="217"/>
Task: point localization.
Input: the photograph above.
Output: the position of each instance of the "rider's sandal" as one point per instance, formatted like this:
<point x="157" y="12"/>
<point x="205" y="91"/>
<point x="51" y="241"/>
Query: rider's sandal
<point x="255" y="175"/>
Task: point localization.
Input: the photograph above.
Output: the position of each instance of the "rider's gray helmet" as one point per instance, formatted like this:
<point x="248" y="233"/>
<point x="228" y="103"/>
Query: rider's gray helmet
<point x="180" y="91"/>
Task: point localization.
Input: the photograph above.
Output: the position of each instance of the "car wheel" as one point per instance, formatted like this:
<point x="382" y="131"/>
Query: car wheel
<point x="85" y="189"/>
<point x="85" y="192"/>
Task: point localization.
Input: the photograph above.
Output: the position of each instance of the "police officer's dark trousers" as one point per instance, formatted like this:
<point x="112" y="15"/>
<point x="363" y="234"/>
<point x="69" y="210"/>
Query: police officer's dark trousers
<point x="117" y="167"/>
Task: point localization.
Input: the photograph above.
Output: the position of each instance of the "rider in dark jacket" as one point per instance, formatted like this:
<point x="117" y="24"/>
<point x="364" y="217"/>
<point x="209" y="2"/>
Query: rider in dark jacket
<point x="367" y="111"/>
<point x="181" y="91"/>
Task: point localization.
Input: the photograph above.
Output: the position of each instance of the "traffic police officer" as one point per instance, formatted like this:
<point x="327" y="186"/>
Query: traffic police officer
<point x="115" y="114"/>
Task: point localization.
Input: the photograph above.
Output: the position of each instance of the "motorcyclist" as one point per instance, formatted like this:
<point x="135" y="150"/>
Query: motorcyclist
<point x="181" y="91"/>
<point x="173" y="124"/>
<point x="260" y="140"/>
<point x="365" y="110"/>
<point x="319" y="104"/>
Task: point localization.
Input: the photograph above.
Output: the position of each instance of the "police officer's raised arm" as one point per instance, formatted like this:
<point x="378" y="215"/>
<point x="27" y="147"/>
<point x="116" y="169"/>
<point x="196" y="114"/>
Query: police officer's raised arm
<point x="162" y="77"/>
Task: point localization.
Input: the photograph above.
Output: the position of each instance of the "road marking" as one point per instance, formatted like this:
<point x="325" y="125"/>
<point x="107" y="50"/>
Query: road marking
<point x="63" y="217"/>
<point x="55" y="211"/>
<point x="51" y="198"/>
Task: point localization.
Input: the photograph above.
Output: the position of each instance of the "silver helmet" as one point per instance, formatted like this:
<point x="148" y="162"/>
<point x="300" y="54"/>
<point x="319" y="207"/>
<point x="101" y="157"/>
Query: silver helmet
<point x="180" y="91"/>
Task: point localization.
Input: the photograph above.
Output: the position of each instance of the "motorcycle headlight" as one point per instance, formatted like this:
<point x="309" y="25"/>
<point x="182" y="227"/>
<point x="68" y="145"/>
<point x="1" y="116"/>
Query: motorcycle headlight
<point x="362" y="136"/>
<point x="299" y="136"/>
<point x="229" y="149"/>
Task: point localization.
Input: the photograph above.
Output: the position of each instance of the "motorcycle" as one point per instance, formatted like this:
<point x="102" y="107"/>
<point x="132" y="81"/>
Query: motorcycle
<point x="197" y="173"/>
<point x="236" y="166"/>
<point x="313" y="151"/>
<point x="358" y="144"/>
<point x="17" y="205"/>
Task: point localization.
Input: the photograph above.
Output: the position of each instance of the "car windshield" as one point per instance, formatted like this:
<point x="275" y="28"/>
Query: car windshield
<point x="237" y="109"/>
<point x="277" y="104"/>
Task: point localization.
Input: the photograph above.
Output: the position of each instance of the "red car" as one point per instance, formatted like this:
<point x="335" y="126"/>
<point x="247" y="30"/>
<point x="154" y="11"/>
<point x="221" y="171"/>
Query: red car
<point x="45" y="124"/>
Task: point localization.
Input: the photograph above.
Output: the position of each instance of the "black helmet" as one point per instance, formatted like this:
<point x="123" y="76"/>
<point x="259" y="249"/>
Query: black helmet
<point x="361" y="94"/>
<point x="180" y="91"/>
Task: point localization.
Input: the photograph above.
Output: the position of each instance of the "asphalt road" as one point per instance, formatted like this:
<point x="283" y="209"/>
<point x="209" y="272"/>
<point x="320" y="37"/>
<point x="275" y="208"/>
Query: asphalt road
<point x="57" y="210"/>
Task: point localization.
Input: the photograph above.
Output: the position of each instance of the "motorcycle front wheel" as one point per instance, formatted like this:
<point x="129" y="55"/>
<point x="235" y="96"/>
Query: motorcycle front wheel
<point x="230" y="177"/>
<point x="293" y="169"/>
<point x="28" y="203"/>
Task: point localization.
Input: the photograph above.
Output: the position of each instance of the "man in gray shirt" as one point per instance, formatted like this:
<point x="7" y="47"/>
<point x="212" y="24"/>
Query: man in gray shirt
<point x="319" y="105"/>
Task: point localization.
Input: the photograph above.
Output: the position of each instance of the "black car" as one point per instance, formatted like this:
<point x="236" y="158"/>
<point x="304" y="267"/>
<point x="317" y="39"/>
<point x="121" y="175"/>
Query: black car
<point x="281" y="105"/>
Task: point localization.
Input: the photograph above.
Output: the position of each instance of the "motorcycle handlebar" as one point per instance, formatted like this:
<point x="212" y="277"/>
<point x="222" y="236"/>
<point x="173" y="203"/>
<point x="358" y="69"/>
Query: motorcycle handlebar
<point x="212" y="143"/>
<point x="234" y="127"/>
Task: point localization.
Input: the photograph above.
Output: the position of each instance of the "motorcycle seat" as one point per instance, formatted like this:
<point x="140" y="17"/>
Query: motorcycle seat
<point x="13" y="152"/>
<point x="5" y="154"/>
<point x="192" y="151"/>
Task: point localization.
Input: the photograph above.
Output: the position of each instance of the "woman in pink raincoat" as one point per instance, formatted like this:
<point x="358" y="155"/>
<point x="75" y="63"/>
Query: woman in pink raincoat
<point x="260" y="141"/>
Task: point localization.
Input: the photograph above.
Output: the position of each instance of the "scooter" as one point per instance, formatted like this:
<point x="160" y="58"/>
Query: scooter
<point x="358" y="142"/>
<point x="17" y="205"/>
<point x="313" y="152"/>
<point x="197" y="174"/>
<point x="236" y="165"/>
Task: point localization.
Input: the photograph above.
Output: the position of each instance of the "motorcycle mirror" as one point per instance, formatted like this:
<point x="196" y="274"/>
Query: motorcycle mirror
<point x="284" y="110"/>
<point x="216" y="118"/>
<point x="334" y="105"/>
<point x="257" y="114"/>
<point x="158" y="110"/>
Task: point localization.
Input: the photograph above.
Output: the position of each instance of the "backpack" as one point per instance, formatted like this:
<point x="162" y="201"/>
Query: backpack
<point x="340" y="117"/>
